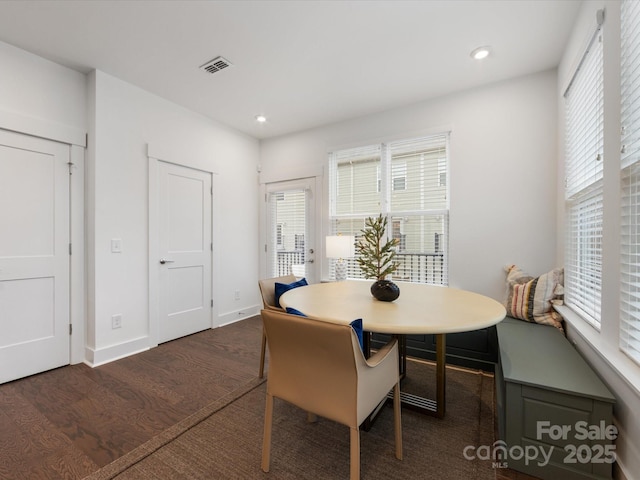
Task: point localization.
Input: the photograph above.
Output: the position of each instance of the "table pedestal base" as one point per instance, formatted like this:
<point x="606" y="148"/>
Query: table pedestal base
<point x="435" y="407"/>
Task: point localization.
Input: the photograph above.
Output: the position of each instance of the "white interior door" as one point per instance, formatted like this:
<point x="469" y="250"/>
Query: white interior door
<point x="185" y="251"/>
<point x="290" y="221"/>
<point x="34" y="255"/>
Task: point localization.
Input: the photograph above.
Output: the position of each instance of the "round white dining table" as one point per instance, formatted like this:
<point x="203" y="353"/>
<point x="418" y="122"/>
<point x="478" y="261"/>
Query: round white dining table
<point x="420" y="309"/>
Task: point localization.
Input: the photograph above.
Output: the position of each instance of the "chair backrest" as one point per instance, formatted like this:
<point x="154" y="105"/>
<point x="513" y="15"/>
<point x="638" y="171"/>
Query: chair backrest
<point x="319" y="366"/>
<point x="312" y="364"/>
<point x="268" y="290"/>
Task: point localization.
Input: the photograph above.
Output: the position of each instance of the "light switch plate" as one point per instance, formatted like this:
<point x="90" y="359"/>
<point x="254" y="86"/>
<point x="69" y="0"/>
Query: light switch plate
<point x="116" y="245"/>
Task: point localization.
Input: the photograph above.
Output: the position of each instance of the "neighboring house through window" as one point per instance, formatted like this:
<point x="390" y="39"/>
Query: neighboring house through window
<point x="399" y="176"/>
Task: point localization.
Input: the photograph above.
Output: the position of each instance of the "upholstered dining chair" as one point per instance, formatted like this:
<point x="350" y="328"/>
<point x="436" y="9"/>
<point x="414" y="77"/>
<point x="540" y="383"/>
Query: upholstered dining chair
<point x="268" y="292"/>
<point x="319" y="367"/>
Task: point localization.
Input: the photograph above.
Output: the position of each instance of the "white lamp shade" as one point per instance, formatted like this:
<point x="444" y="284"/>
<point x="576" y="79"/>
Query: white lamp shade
<point x="340" y="246"/>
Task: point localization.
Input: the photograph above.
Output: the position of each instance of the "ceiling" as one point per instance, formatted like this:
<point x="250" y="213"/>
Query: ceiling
<point x="300" y="63"/>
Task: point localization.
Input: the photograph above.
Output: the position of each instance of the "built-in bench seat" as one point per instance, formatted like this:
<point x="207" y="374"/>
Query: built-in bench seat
<point x="548" y="399"/>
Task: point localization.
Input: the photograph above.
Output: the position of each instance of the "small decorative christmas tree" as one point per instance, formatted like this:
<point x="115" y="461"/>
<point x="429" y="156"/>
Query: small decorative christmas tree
<point x="376" y="259"/>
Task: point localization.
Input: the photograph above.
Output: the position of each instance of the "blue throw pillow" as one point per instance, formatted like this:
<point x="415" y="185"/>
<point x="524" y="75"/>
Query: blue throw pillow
<point x="357" y="327"/>
<point x="280" y="288"/>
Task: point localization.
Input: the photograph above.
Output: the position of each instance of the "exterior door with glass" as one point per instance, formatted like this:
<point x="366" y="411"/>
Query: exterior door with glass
<point x="290" y="219"/>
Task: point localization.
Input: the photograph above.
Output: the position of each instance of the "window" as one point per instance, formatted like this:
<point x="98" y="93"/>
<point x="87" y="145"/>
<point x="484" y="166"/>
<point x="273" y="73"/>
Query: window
<point x="399" y="176"/>
<point x="397" y="235"/>
<point x="404" y="181"/>
<point x="584" y="102"/>
<point x="630" y="181"/>
<point x="442" y="174"/>
<point x="279" y="242"/>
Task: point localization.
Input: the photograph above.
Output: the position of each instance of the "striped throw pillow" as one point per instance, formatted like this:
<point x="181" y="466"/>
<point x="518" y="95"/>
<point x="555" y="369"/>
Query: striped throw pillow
<point x="532" y="298"/>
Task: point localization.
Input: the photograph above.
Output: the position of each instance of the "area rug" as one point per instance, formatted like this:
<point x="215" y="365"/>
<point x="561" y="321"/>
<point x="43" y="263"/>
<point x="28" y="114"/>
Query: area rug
<point x="224" y="439"/>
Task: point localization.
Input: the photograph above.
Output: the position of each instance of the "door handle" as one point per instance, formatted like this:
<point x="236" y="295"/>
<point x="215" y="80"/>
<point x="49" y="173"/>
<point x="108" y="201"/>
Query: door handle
<point x="310" y="261"/>
<point x="163" y="261"/>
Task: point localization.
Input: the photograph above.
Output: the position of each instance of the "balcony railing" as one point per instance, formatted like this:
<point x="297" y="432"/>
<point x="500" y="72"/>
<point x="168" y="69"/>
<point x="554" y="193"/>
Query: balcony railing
<point x="421" y="268"/>
<point x="286" y="258"/>
<point x="414" y="267"/>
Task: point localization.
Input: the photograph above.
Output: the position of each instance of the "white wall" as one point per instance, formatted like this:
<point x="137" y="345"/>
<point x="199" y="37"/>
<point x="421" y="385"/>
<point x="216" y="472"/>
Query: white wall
<point x="503" y="176"/>
<point x="42" y="90"/>
<point x="128" y="120"/>
<point x="601" y="348"/>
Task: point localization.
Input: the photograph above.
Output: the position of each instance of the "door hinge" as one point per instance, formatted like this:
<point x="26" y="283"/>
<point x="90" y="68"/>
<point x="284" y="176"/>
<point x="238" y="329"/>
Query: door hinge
<point x="69" y="249"/>
<point x="70" y="329"/>
<point x="265" y="248"/>
<point x="212" y="246"/>
<point x="212" y="303"/>
<point x="71" y="164"/>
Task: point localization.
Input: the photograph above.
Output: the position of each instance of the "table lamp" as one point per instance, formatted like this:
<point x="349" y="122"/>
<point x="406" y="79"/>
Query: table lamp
<point x="340" y="247"/>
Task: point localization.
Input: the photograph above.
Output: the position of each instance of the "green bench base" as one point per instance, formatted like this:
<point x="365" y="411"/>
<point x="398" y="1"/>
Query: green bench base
<point x="555" y="416"/>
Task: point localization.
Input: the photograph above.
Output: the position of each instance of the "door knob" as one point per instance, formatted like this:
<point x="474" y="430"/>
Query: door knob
<point x="163" y="261"/>
<point x="310" y="261"/>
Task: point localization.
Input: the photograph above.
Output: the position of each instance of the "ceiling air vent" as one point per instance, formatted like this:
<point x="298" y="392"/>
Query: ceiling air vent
<point x="216" y="65"/>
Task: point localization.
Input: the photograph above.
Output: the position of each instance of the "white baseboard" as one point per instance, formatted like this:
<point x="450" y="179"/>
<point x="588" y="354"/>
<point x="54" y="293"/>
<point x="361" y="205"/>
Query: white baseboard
<point x="95" y="358"/>
<point x="242" y="314"/>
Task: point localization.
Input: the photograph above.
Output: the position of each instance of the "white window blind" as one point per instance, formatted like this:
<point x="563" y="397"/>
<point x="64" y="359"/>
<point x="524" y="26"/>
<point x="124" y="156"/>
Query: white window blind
<point x="354" y="194"/>
<point x="584" y="102"/>
<point x="584" y="255"/>
<point x="406" y="181"/>
<point x="357" y="175"/>
<point x="630" y="181"/>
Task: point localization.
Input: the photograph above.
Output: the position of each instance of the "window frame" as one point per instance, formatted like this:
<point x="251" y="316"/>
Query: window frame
<point x="385" y="177"/>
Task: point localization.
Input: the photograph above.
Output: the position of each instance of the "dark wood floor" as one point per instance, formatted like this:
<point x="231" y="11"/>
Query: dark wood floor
<point x="508" y="474"/>
<point x="69" y="422"/>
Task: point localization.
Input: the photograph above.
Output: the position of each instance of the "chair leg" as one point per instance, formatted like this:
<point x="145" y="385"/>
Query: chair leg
<point x="266" y="439"/>
<point x="397" y="421"/>
<point x="355" y="454"/>
<point x="263" y="351"/>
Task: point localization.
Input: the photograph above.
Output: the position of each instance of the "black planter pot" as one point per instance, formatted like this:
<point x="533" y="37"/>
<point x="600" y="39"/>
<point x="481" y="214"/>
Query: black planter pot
<point x="385" y="290"/>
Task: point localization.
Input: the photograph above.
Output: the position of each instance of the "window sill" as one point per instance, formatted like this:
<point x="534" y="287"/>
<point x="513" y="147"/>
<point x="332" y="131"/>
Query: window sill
<point x="627" y="369"/>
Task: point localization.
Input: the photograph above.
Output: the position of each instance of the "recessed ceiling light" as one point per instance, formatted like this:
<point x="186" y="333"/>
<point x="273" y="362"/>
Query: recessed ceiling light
<point x="261" y="118"/>
<point x="481" y="52"/>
